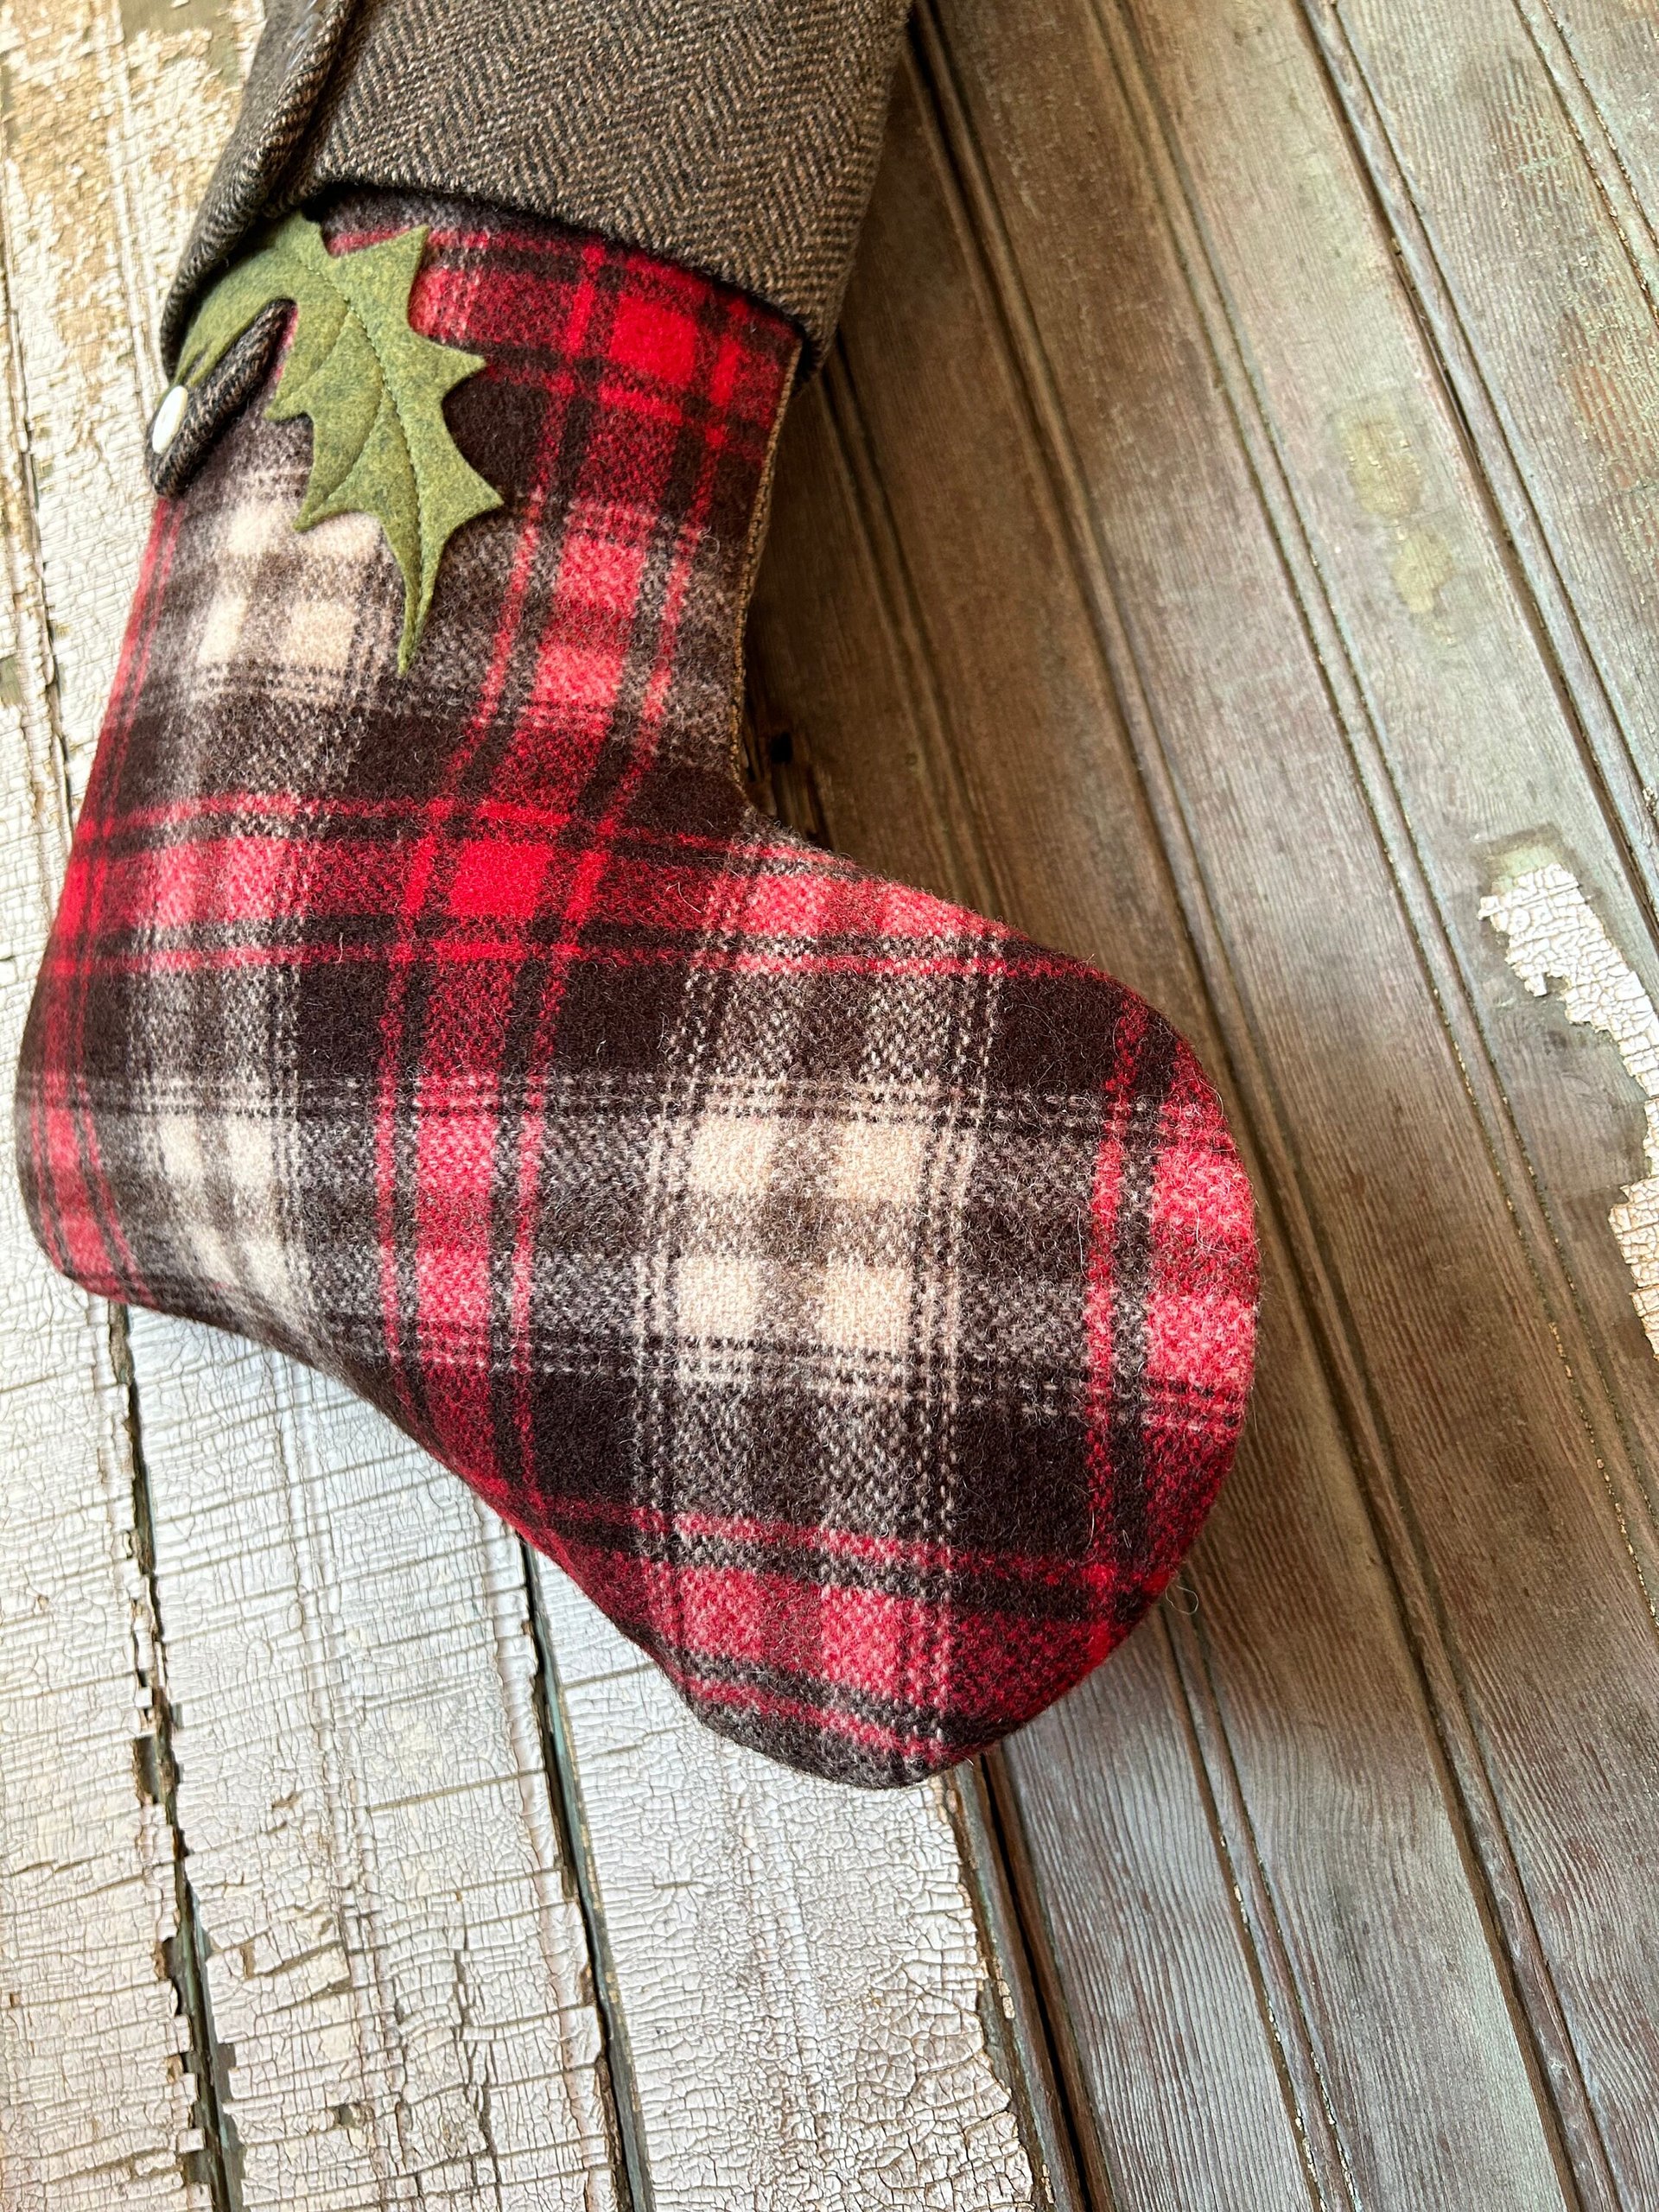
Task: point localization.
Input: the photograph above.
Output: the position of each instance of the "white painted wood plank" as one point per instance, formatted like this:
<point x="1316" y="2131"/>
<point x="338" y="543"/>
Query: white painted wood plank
<point x="396" y="1957"/>
<point x="95" y="2100"/>
<point x="83" y="374"/>
<point x="398" y="1976"/>
<point x="795" y="1965"/>
<point x="97" y="2096"/>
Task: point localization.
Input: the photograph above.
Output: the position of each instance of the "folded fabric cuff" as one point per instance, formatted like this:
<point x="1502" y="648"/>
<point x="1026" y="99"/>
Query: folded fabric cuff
<point x="735" y="136"/>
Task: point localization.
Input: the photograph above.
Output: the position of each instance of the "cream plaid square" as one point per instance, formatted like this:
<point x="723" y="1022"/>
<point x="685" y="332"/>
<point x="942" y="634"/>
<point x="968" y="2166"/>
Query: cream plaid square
<point x="879" y="1164"/>
<point x="732" y="1157"/>
<point x="719" y="1296"/>
<point x="221" y="632"/>
<point x="862" y="1309"/>
<point x="252" y="527"/>
<point x="320" y="635"/>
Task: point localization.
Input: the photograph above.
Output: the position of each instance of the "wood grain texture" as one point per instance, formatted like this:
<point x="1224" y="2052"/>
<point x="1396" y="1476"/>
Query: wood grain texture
<point x="1152" y="1966"/>
<point x="1489" y="1526"/>
<point x="1389" y="837"/>
<point x="796" y="1966"/>
<point x="1238" y="691"/>
<point x="1533" y="263"/>
<point x="107" y="147"/>
<point x="397" y="1964"/>
<point x="95" y="2095"/>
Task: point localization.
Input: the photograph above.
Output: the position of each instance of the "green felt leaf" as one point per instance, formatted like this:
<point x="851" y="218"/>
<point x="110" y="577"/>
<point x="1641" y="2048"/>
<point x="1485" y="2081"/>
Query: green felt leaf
<point x="373" y="389"/>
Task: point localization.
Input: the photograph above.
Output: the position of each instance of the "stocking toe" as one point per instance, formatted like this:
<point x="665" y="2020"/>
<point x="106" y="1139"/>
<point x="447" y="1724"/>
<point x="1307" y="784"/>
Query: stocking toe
<point x="933" y="1297"/>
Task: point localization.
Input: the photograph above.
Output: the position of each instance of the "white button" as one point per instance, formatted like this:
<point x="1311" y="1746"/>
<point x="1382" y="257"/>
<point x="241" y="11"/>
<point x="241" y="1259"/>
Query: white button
<point x="168" y="416"/>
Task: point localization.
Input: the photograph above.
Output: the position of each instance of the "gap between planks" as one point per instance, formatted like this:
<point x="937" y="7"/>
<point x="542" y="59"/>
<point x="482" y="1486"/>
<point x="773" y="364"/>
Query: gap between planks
<point x="1492" y="435"/>
<point x="1522" y="1968"/>
<point x="1445" y="1686"/>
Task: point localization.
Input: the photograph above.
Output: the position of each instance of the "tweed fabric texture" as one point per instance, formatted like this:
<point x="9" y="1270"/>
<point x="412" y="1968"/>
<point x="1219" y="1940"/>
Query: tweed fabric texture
<point x="856" y="1299"/>
<point x="223" y="392"/>
<point x="737" y="136"/>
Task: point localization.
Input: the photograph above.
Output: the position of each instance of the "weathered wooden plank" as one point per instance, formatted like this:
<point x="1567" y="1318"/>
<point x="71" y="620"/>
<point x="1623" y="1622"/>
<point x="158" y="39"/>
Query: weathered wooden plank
<point x="1604" y="62"/>
<point x="95" y="2093"/>
<point x="1339" y="1780"/>
<point x="397" y="1964"/>
<point x="395" y="1975"/>
<point x="1130" y="1901"/>
<point x="71" y="174"/>
<point x="1419" y="627"/>
<point x="1153" y="1968"/>
<point x="796" y="1966"/>
<point x="1533" y="266"/>
<point x="1364" y="491"/>
<point x="1436" y="639"/>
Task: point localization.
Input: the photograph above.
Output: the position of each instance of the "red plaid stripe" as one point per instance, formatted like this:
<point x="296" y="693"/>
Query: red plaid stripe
<point x="857" y="1299"/>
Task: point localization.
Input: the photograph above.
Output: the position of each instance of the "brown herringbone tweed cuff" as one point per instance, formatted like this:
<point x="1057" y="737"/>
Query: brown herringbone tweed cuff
<point x="735" y="136"/>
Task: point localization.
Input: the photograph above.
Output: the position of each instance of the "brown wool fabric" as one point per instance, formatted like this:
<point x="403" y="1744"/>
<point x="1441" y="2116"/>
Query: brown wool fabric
<point x="735" y="136"/>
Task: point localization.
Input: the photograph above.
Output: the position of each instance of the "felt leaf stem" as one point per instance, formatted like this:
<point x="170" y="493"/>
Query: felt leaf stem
<point x="372" y="387"/>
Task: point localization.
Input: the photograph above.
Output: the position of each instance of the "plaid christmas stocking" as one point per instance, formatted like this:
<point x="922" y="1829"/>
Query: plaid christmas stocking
<point x="856" y="1299"/>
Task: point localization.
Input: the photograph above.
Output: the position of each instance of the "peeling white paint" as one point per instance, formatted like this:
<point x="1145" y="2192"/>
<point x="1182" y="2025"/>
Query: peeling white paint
<point x="397" y="1962"/>
<point x="797" y="1964"/>
<point x="1552" y="932"/>
<point x="95" y="2094"/>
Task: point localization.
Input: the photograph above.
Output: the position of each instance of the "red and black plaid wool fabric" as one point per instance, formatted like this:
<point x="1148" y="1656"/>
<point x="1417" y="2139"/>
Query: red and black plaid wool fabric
<point x="856" y="1299"/>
